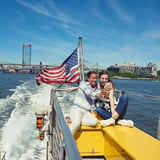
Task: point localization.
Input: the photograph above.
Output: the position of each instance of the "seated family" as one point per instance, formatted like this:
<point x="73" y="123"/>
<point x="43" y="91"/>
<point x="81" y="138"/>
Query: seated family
<point x="90" y="92"/>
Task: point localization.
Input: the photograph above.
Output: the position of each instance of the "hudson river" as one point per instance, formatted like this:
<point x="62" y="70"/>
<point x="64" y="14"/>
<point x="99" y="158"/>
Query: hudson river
<point x="20" y="97"/>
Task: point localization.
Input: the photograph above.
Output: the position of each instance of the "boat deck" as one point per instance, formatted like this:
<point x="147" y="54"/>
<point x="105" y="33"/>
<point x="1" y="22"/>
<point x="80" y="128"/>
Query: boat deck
<point x="117" y="142"/>
<point x="136" y="143"/>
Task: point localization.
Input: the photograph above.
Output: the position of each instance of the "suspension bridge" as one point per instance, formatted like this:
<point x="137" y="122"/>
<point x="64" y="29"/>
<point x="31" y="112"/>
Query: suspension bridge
<point x="35" y="68"/>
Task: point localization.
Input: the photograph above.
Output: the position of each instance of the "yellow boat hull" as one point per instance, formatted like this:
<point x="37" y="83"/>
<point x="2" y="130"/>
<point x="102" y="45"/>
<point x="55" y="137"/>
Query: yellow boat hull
<point x="117" y="143"/>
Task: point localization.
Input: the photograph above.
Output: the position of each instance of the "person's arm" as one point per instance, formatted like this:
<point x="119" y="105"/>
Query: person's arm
<point x="87" y="90"/>
<point x="72" y="89"/>
<point x="99" y="95"/>
<point x="111" y="99"/>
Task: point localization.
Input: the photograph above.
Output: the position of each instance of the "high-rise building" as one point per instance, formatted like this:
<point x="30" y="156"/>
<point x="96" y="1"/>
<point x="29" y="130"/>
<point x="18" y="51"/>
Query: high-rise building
<point x="26" y="54"/>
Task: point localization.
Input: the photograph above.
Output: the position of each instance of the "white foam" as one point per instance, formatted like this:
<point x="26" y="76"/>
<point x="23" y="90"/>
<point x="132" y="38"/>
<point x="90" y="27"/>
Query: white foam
<point x="20" y="138"/>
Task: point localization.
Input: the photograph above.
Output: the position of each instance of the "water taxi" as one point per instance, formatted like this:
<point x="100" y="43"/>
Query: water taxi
<point x="111" y="143"/>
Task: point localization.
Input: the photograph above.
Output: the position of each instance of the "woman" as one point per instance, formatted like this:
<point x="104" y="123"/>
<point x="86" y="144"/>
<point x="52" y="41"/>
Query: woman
<point x="83" y="103"/>
<point x="115" y="113"/>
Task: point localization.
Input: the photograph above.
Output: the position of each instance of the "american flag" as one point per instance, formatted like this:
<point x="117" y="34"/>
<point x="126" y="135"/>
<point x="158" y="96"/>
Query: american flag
<point x="63" y="72"/>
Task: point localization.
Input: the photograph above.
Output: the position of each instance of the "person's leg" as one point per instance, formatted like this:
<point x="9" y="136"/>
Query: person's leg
<point x="121" y="109"/>
<point x="103" y="113"/>
<point x="106" y="115"/>
<point x="76" y="118"/>
<point x="122" y="106"/>
<point x="89" y="119"/>
<point x="124" y="122"/>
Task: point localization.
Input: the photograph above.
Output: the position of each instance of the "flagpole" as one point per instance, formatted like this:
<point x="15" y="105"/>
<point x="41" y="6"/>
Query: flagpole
<point x="81" y="59"/>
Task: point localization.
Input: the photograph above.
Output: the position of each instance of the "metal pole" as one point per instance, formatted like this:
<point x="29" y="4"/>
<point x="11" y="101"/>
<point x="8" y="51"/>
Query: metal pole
<point x="23" y="55"/>
<point x="30" y="53"/>
<point x="47" y="151"/>
<point x="81" y="59"/>
<point x="97" y="66"/>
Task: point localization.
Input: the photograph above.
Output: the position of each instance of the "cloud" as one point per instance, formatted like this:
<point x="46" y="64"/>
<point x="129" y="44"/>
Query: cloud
<point x="122" y="14"/>
<point x="151" y="35"/>
<point x="37" y="8"/>
<point x="50" y="10"/>
<point x="95" y="9"/>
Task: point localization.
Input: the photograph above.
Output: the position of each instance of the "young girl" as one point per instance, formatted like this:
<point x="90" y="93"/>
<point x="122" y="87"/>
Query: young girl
<point x="83" y="103"/>
<point x="114" y="114"/>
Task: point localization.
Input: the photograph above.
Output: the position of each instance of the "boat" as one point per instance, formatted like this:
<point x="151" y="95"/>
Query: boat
<point x="112" y="142"/>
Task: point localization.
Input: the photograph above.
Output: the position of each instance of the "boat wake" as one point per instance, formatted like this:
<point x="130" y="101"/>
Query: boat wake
<point x="18" y="133"/>
<point x="19" y="137"/>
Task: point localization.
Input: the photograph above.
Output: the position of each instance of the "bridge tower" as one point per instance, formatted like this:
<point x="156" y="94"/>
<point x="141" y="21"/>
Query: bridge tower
<point x="26" y="54"/>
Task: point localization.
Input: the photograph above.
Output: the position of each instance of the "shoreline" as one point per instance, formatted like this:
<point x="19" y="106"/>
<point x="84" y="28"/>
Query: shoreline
<point x="128" y="78"/>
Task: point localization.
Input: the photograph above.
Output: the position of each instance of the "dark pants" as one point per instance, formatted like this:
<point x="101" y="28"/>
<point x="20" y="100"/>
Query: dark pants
<point x="120" y="109"/>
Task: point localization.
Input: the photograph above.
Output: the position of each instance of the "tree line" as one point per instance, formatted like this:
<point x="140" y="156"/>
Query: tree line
<point x="132" y="75"/>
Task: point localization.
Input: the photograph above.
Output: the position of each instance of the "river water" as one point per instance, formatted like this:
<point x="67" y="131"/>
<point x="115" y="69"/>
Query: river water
<point x="20" y="97"/>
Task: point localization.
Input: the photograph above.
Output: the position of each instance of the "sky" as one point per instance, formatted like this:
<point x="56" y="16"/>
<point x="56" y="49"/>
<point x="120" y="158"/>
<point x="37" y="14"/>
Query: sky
<point x="112" y="31"/>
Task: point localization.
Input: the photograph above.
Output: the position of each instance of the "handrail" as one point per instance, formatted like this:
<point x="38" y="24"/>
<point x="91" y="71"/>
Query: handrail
<point x="2" y="155"/>
<point x="140" y="95"/>
<point x="62" y="145"/>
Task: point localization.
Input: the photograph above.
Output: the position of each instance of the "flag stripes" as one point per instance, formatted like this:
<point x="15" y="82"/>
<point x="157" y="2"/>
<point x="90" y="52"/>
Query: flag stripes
<point x="68" y="70"/>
